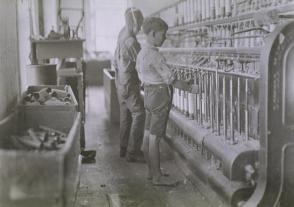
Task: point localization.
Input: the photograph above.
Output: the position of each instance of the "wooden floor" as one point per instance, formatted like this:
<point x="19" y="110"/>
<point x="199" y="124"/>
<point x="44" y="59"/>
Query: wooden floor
<point x="112" y="181"/>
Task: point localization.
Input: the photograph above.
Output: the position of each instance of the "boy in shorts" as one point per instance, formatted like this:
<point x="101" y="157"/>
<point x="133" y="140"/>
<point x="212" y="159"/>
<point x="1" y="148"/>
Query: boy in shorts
<point x="157" y="79"/>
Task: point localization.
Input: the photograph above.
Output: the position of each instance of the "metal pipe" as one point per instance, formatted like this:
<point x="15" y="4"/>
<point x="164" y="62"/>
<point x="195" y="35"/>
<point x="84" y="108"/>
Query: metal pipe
<point x="217" y="8"/>
<point x="186" y="11"/>
<point x="224" y="108"/>
<point x="179" y="100"/>
<point x="182" y="101"/>
<point x="178" y="92"/>
<point x="175" y="99"/>
<point x="205" y="98"/>
<point x="217" y="101"/>
<point x="203" y="9"/>
<point x="246" y="111"/>
<point x="190" y="7"/>
<point x="207" y="7"/>
<point x="229" y="41"/>
<point x="252" y="33"/>
<point x="212" y="9"/>
<point x="222" y="8"/>
<point x="246" y="34"/>
<point x="238" y="107"/>
<point x="187" y="103"/>
<point x="188" y="98"/>
<point x="192" y="10"/>
<point x="232" y="138"/>
<point x="235" y="9"/>
<point x="211" y="101"/>
<point x="200" y="97"/>
<point x="181" y="95"/>
<point x="196" y="10"/>
<point x="228" y="8"/>
<point x="195" y="98"/>
<point x="200" y="15"/>
<point x="191" y="101"/>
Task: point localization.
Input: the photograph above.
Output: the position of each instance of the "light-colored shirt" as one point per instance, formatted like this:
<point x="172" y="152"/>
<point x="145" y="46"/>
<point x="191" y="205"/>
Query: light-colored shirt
<point x="152" y="67"/>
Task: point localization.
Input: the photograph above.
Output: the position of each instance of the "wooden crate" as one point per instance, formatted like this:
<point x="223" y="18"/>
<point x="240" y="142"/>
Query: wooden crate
<point x="41" y="74"/>
<point x="48" y="111"/>
<point x="40" y="178"/>
<point x="35" y="88"/>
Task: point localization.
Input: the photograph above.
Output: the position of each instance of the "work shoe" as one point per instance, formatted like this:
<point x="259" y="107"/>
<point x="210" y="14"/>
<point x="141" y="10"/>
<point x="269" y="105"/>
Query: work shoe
<point x="88" y="156"/>
<point x="132" y="157"/>
<point x="123" y="151"/>
<point x="164" y="181"/>
<point x="163" y="173"/>
<point x="140" y="153"/>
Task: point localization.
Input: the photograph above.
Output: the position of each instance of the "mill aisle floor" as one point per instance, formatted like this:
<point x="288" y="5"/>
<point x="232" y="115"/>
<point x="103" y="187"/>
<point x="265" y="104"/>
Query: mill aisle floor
<point x="112" y="181"/>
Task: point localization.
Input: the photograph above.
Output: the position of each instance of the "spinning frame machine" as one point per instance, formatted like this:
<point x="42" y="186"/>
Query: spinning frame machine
<point x="234" y="135"/>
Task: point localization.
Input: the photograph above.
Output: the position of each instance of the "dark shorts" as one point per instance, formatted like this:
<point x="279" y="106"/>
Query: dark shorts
<point x="157" y="103"/>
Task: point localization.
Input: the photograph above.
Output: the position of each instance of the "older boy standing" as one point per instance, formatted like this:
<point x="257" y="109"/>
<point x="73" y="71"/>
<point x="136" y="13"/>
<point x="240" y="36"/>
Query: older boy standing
<point x="128" y="87"/>
<point x="157" y="78"/>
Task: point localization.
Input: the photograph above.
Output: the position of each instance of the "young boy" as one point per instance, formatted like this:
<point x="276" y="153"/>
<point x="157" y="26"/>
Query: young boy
<point x="157" y="79"/>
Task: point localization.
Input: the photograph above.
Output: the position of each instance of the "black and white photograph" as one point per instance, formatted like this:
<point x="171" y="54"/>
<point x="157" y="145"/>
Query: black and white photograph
<point x="146" y="103"/>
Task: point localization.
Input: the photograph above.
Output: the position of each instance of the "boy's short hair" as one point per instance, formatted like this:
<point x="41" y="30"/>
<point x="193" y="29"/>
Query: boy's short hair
<point x="155" y="24"/>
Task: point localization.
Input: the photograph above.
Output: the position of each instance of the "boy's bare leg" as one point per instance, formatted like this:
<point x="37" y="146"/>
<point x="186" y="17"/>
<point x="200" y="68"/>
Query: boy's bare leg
<point x="145" y="149"/>
<point x="154" y="155"/>
<point x="158" y="178"/>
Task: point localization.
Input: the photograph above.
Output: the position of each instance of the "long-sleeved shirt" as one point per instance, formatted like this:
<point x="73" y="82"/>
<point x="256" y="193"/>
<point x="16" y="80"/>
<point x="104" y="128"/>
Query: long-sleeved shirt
<point x="152" y="67"/>
<point x="125" y="59"/>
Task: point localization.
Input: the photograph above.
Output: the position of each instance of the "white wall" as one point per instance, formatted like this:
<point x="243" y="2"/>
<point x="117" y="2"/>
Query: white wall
<point x="73" y="10"/>
<point x="50" y="15"/>
<point x="104" y="20"/>
<point x="28" y="24"/>
<point x="9" y="65"/>
<point x="23" y="17"/>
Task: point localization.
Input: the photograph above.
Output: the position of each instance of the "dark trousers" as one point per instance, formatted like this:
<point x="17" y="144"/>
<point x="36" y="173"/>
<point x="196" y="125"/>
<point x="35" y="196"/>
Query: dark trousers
<point x="132" y="118"/>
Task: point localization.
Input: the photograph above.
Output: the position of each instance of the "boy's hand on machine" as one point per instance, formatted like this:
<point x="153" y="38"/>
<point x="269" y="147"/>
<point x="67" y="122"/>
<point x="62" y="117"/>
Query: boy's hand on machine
<point x="187" y="85"/>
<point x="194" y="88"/>
<point x="189" y="81"/>
<point x="182" y="85"/>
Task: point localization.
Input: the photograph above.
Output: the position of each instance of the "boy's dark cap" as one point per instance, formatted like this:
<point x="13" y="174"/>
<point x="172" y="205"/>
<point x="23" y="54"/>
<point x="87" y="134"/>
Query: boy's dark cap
<point x="155" y="24"/>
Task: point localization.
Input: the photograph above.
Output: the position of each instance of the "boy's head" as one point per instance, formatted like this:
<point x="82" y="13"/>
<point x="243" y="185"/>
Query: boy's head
<point x="134" y="19"/>
<point x="155" y="30"/>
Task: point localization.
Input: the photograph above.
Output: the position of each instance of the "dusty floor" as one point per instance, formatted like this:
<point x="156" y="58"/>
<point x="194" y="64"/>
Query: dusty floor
<point x="112" y="181"/>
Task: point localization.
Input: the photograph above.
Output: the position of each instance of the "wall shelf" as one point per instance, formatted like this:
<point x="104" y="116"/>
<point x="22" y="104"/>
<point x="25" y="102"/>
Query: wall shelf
<point x="45" y="49"/>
